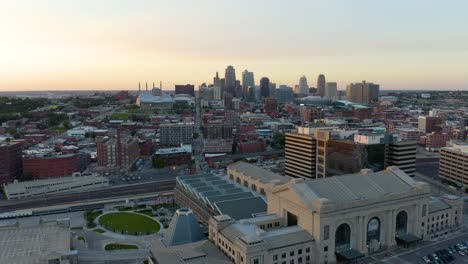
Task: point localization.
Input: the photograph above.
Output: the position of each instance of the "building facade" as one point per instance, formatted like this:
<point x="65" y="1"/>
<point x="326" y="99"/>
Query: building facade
<point x="453" y="164"/>
<point x="321" y="83"/>
<point x="50" y="166"/>
<point x="176" y="134"/>
<point x="264" y="87"/>
<point x="362" y="93"/>
<point x="247" y="81"/>
<point x="300" y="155"/>
<point x="185" y="89"/>
<point x="11" y="161"/>
<point x="117" y="152"/>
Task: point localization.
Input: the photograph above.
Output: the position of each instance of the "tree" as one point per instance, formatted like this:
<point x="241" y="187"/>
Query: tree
<point x="158" y="162"/>
<point x="278" y="141"/>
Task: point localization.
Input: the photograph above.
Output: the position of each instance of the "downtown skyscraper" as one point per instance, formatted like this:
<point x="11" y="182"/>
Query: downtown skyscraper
<point x="247" y="80"/>
<point x="230" y="80"/>
<point x="303" y="86"/>
<point x="264" y="87"/>
<point x="321" y="85"/>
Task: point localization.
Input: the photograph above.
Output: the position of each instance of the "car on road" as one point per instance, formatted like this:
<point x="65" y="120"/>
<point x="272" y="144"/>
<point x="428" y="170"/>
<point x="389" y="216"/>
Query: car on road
<point x="426" y="259"/>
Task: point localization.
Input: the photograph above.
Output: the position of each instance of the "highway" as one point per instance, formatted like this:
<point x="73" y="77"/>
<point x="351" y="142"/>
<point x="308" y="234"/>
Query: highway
<point x="120" y="191"/>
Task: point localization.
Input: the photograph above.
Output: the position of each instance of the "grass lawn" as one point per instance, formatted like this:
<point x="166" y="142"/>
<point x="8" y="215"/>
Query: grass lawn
<point x="95" y="214"/>
<point x="116" y="246"/>
<point x="147" y="212"/>
<point x="129" y="222"/>
<point x="59" y="129"/>
<point x="76" y="228"/>
<point x="121" y="116"/>
<point x="98" y="230"/>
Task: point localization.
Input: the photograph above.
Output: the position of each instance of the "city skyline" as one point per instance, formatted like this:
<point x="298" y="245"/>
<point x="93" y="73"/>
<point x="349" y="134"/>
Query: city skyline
<point x="105" y="45"/>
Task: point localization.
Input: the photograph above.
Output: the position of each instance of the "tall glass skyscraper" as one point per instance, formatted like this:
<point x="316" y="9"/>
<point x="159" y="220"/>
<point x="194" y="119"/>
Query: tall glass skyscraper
<point x="247" y="80"/>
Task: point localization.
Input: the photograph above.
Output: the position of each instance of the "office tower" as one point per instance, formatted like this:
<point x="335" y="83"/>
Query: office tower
<point x="251" y="94"/>
<point x="11" y="161"/>
<point x="362" y="93"/>
<point x="176" y="134"/>
<point x="403" y="155"/>
<point x="284" y="94"/>
<point x="300" y="155"/>
<point x="185" y="89"/>
<point x="303" y="86"/>
<point x="230" y="80"/>
<point x="331" y="89"/>
<point x="247" y="80"/>
<point x="216" y="81"/>
<point x="217" y="93"/>
<point x="264" y="87"/>
<point x="427" y="124"/>
<point x="272" y="90"/>
<point x="453" y="164"/>
<point x="321" y="85"/>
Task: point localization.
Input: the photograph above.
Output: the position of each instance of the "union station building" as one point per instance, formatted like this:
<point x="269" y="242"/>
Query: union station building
<point x="337" y="219"/>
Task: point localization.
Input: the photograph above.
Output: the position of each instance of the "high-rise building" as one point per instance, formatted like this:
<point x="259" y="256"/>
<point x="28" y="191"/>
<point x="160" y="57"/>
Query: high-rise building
<point x="217" y="93"/>
<point x="272" y="90"/>
<point x="303" y="86"/>
<point x="185" y="89"/>
<point x="230" y="80"/>
<point x="362" y="93"/>
<point x="117" y="152"/>
<point x="216" y="81"/>
<point x="284" y="94"/>
<point x="176" y="134"/>
<point x="403" y="155"/>
<point x="321" y="85"/>
<point x="11" y="161"/>
<point x="331" y="89"/>
<point x="427" y="124"/>
<point x="265" y="87"/>
<point x="247" y="80"/>
<point x="453" y="164"/>
<point x="251" y="94"/>
<point x="217" y="131"/>
<point x="300" y="155"/>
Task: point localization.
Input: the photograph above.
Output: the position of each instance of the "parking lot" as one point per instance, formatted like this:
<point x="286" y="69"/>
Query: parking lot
<point x="416" y="256"/>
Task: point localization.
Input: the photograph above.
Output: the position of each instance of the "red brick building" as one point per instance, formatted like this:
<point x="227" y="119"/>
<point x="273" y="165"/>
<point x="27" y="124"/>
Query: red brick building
<point x="11" y="161"/>
<point x="436" y="140"/>
<point x="50" y="166"/>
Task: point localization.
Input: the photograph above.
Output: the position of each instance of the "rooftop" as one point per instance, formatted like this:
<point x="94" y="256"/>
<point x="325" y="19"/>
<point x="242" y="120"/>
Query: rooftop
<point x="148" y="97"/>
<point x="34" y="244"/>
<point x="258" y="174"/>
<point x="181" y="149"/>
<point x="353" y="187"/>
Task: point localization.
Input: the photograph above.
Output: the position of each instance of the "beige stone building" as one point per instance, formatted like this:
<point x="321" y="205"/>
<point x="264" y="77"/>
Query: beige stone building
<point x="254" y="177"/>
<point x="453" y="164"/>
<point x="339" y="218"/>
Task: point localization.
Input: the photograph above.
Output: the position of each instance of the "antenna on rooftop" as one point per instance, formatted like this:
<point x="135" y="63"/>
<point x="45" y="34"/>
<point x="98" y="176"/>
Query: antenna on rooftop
<point x="139" y="87"/>
<point x="146" y="86"/>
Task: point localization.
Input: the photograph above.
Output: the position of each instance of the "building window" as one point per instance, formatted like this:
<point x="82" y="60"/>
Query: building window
<point x="325" y="249"/>
<point x="270" y="225"/>
<point x="299" y="260"/>
<point x="275" y="257"/>
<point x="291" y="253"/>
<point x="299" y="251"/>
<point x="307" y="249"/>
<point x="422" y="224"/>
<point x="424" y="210"/>
<point x="291" y="261"/>
<point x="283" y="255"/>
<point x="256" y="261"/>
<point x="277" y="224"/>
<point x="326" y="232"/>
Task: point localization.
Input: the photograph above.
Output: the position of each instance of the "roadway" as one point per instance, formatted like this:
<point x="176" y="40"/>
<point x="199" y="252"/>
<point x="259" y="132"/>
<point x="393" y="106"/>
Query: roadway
<point x="121" y="191"/>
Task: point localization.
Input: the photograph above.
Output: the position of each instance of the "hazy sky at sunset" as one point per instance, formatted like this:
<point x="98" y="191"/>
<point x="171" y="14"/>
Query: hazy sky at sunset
<point x="113" y="44"/>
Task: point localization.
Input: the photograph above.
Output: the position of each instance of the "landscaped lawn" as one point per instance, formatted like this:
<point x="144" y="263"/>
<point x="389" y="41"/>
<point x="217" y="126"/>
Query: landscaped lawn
<point x="147" y="212"/>
<point x="116" y="246"/>
<point x="98" y="230"/>
<point x="130" y="223"/>
<point x="76" y="228"/>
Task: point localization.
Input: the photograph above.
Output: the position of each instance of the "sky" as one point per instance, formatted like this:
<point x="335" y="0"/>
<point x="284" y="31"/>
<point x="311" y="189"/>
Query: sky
<point x="114" y="44"/>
